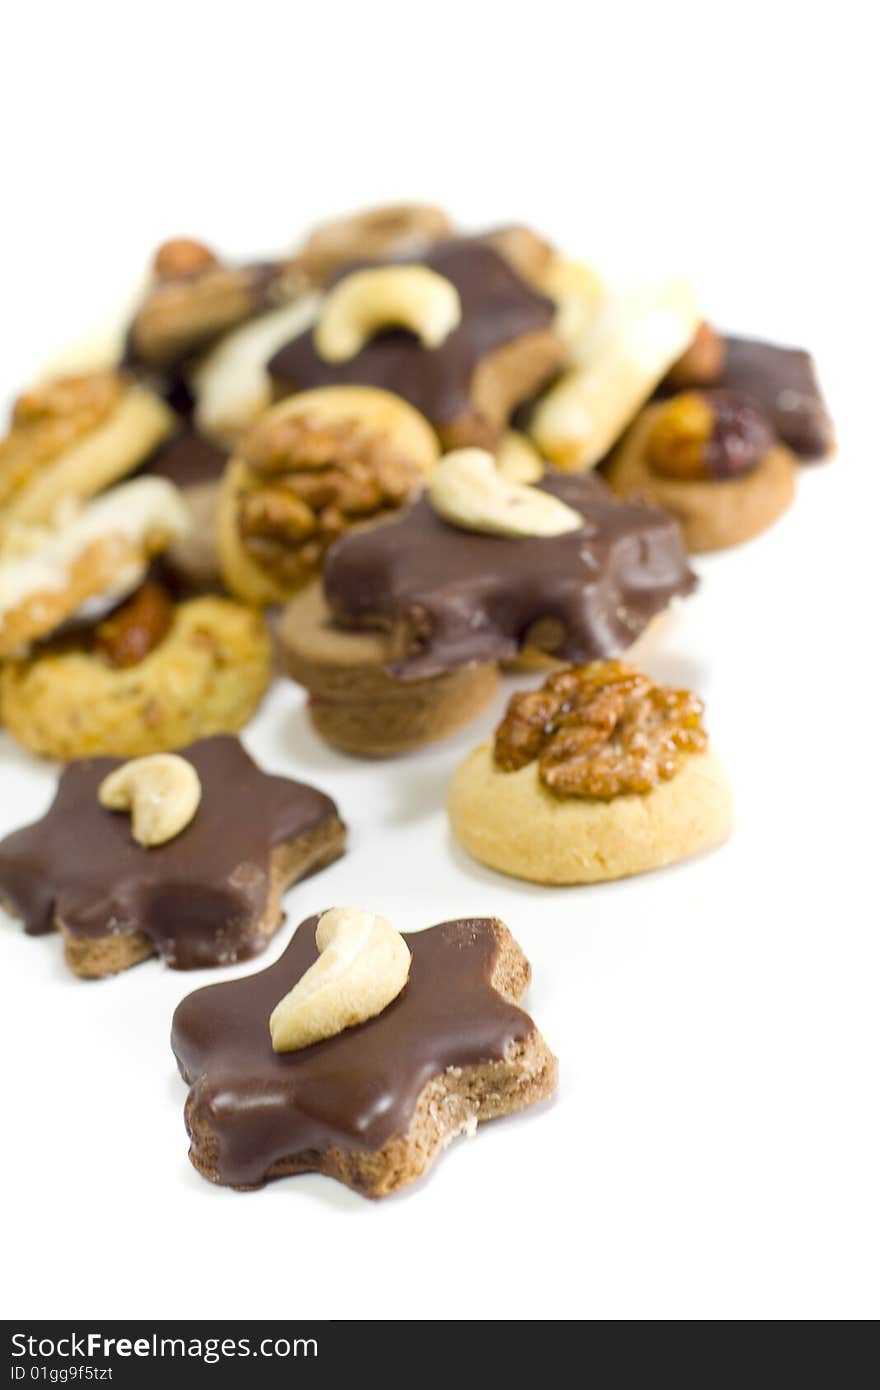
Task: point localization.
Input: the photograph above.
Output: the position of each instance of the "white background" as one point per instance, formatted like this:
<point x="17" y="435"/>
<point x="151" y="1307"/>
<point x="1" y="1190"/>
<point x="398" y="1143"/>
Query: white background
<point x="713" y="1148"/>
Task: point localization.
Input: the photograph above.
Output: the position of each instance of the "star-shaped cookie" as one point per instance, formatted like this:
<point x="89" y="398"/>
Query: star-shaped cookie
<point x="374" y="1105"/>
<point x="501" y="353"/>
<point x="209" y="896"/>
<point x="451" y="596"/>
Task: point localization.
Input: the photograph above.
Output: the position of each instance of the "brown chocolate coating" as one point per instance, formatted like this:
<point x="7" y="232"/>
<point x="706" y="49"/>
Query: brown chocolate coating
<point x="783" y="381"/>
<point x="197" y="896"/>
<point x="741" y="437"/>
<point x="458" y="597"/>
<point x="187" y="460"/>
<point x="357" y="1089"/>
<point x="496" y="308"/>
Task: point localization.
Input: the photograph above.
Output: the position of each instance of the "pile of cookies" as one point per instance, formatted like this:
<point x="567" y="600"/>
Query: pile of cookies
<point x="392" y="465"/>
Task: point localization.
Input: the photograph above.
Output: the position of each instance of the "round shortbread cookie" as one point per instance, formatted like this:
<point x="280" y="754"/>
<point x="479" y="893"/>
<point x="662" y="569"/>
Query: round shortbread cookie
<point x="512" y="822"/>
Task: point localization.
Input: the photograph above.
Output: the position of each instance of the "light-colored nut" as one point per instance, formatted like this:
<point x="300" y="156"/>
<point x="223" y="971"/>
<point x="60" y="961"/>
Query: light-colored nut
<point x="232" y="384"/>
<point x="162" y="792"/>
<point x="640" y="333"/>
<point x="395" y="296"/>
<point x="468" y="491"/>
<point x="517" y="459"/>
<point x="363" y="965"/>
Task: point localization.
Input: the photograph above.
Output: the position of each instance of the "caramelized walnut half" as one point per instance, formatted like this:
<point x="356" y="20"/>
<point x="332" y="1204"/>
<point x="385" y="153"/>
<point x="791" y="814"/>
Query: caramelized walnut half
<point x="312" y="479"/>
<point x="49" y="420"/>
<point x="601" y="731"/>
<point x="128" y="636"/>
<point x="701" y="435"/>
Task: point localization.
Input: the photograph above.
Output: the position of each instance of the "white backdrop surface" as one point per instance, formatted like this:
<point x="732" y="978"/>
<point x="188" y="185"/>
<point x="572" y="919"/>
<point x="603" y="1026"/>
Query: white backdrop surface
<point x="713" y="1148"/>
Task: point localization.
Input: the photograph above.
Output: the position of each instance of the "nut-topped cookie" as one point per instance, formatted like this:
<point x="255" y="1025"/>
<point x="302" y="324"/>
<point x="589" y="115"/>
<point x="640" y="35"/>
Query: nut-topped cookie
<point x="311" y="469"/>
<point x="394" y="229"/>
<point x="402" y="642"/>
<point x="360" y="1054"/>
<point x="599" y="774"/>
<point x="73" y="436"/>
<point x="184" y="855"/>
<point x="782" y="382"/>
<point x="454" y="588"/>
<point x="711" y="457"/>
<point x="460" y="334"/>
<point x="99" y="660"/>
<point x="194" y="298"/>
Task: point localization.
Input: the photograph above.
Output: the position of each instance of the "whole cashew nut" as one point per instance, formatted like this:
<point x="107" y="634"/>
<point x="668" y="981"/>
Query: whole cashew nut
<point x="467" y="490"/>
<point x="162" y="792"/>
<point x="517" y="459"/>
<point x="363" y="965"/>
<point x="395" y="296"/>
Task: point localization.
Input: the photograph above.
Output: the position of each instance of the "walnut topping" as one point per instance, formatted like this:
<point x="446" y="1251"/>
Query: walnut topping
<point x="701" y="435"/>
<point x="134" y="630"/>
<point x="313" y="479"/>
<point x="49" y="420"/>
<point x="601" y="731"/>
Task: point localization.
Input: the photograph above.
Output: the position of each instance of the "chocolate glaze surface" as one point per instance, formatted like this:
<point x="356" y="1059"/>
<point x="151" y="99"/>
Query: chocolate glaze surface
<point x="496" y="307"/>
<point x="783" y="381"/>
<point x="198" y="895"/>
<point x="355" y="1090"/>
<point x="187" y="460"/>
<point x="456" y="597"/>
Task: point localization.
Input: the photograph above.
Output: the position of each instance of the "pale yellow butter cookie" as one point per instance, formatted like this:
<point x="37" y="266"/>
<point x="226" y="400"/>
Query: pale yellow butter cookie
<point x="597" y="776"/>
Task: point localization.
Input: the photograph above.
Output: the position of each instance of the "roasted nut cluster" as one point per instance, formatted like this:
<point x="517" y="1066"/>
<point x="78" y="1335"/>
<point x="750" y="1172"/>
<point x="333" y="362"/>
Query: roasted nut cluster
<point x="134" y="630"/>
<point x="51" y="419"/>
<point x="702" y="435"/>
<point x="600" y="731"/>
<point x="313" y="481"/>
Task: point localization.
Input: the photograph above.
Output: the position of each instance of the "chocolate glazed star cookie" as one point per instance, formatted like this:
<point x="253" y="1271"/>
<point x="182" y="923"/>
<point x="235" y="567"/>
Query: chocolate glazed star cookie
<point x="209" y="894"/>
<point x="453" y="596"/>
<point x="362" y="1081"/>
<point x="402" y="644"/>
<point x="460" y="335"/>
